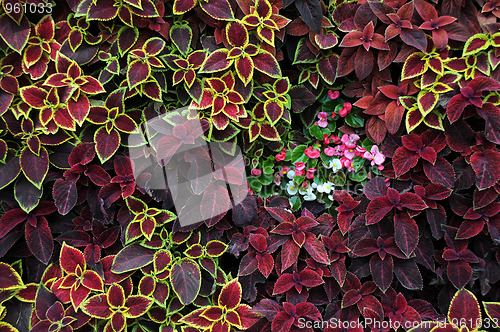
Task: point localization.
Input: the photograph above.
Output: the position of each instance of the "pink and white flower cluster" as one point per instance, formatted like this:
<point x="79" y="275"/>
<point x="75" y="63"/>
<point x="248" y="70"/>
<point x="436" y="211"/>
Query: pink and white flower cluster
<point x="346" y="148"/>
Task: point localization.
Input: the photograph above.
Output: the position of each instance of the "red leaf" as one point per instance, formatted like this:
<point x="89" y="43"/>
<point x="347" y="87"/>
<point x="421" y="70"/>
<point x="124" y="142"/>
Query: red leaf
<point x="311" y="13"/>
<point x="412" y="202"/>
<point x="289" y="254"/>
<point x="97" y="306"/>
<point x="363" y="65"/>
<point x="415" y="38"/>
<point x="393" y="116"/>
<point x="282" y="322"/>
<point x="377" y="210"/>
<point x="217" y="61"/>
<point x="137" y="305"/>
<point x="441" y="172"/>
<point x="414" y="66"/>
<point x="485" y="165"/>
<point x="406" y="233"/>
<point x="70" y="258"/>
<point x="327" y="68"/>
<point x="10" y="220"/>
<point x="382" y="271"/>
<point x="34" y="96"/>
<point x="456" y="107"/>
<point x="39" y="240"/>
<point x="469" y="229"/>
<point x="464" y="308"/>
<point x="375" y="188"/>
<point x="492" y="310"/>
<point x="137" y="73"/>
<point x="281" y="215"/>
<point x="15" y="35"/>
<point x="183" y="6"/>
<point x="65" y="195"/>
<point x="316" y="249"/>
<point x="185" y="277"/>
<point x="459" y="273"/>
<point x="131" y="258"/>
<point x="244" y="68"/>
<point x="215" y="201"/>
<point x="9" y="278"/>
<point x="35" y="167"/>
<point x="218" y="9"/>
<point x="82" y="154"/>
<point x="106" y="144"/>
<point x="266" y="63"/>
<point x="237" y="34"/>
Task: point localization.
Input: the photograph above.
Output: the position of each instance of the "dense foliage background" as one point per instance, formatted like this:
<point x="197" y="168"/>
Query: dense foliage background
<point x="370" y="132"/>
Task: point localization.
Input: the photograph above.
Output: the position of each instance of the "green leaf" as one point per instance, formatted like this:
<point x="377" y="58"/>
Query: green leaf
<point x="298" y="154"/>
<point x="316" y="132"/>
<point x="295" y="202"/>
<point x="255" y="184"/>
<point x="358" y="176"/>
<point x="353" y="120"/>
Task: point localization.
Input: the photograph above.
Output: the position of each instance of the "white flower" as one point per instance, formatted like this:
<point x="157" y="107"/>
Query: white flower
<point x="314" y="185"/>
<point x="291" y="189"/>
<point x="330" y="197"/>
<point x="325" y="187"/>
<point x="335" y="165"/>
<point x="310" y="196"/>
<point x="290" y="174"/>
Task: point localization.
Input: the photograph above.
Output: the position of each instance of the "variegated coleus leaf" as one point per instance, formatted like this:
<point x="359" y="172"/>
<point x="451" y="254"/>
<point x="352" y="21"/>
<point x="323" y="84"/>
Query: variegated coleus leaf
<point x="226" y="313"/>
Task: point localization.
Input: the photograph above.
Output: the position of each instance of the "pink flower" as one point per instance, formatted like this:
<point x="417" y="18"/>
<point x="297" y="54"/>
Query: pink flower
<point x="310" y="173"/>
<point x="304" y="185"/>
<point x="277" y="179"/>
<point x="345" y="110"/>
<point x="281" y="156"/>
<point x="323" y="119"/>
<point x="299" y="166"/>
<point x="350" y="140"/>
<point x="349" y="153"/>
<point x="335" y="139"/>
<point x="284" y="170"/>
<point x="375" y="156"/>
<point x="326" y="140"/>
<point x="329" y="151"/>
<point x="299" y="169"/>
<point x="347" y="163"/>
<point x="333" y="94"/>
<point x="360" y="151"/>
<point x="312" y="153"/>
<point x="348" y="107"/>
<point x="256" y="172"/>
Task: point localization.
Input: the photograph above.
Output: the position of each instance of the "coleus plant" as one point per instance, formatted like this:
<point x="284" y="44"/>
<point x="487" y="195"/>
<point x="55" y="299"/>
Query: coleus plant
<point x="173" y="271"/>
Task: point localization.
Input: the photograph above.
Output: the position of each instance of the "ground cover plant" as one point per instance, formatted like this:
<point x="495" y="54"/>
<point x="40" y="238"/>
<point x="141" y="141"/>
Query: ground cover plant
<point x="369" y="131"/>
